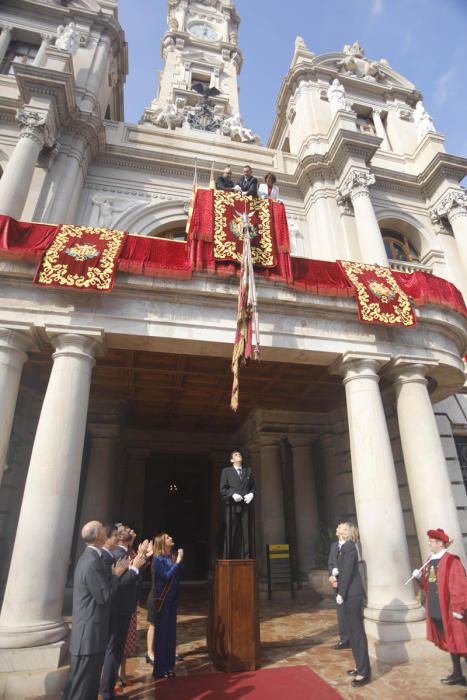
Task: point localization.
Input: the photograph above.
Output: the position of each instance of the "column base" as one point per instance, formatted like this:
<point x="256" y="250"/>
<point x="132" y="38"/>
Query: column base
<point x="21" y="685"/>
<point x="396" y="643"/>
<point x="31" y="636"/>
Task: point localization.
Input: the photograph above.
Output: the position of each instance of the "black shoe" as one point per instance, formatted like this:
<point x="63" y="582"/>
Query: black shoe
<point x="363" y="681"/>
<point x="454" y="680"/>
<point x="352" y="672"/>
<point x="149" y="660"/>
<point x="342" y="645"/>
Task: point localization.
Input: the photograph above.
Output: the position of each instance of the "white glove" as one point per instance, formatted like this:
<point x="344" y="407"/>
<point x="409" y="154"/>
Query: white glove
<point x="416" y="573"/>
<point x="237" y="188"/>
<point x="335" y="572"/>
<point x="339" y="599"/>
<point x="458" y="616"/>
<point x="248" y="498"/>
<point x="237" y="498"/>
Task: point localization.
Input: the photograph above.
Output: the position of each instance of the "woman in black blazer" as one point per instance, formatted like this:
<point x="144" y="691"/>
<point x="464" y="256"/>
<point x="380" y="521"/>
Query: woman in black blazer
<point x="351" y="594"/>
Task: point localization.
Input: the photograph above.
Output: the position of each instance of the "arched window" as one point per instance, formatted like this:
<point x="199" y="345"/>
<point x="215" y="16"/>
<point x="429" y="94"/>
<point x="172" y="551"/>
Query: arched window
<point x="172" y="232"/>
<point x="398" y="247"/>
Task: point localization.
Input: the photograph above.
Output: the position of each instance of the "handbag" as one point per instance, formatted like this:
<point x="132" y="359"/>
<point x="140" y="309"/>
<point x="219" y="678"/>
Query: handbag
<point x="160" y="599"/>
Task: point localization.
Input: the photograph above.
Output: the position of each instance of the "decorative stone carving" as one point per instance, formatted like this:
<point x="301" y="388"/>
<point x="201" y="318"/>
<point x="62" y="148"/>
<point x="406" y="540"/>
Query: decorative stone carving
<point x="170" y="117"/>
<point x="337" y="97"/>
<point x="454" y="202"/>
<point x="173" y="24"/>
<point x="113" y="73"/>
<point x="34" y="127"/>
<point x="357" y="65"/>
<point x="423" y="121"/>
<point x="109" y="206"/>
<point x="233" y="38"/>
<point x="357" y="182"/>
<point x="404" y="113"/>
<point x="233" y="127"/>
<point x="68" y="38"/>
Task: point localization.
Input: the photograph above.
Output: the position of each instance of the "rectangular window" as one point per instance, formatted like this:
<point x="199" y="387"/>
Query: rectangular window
<point x="18" y="52"/>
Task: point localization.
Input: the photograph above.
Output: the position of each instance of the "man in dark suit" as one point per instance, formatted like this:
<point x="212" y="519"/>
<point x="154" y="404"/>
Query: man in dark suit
<point x="224" y="181"/>
<point x="247" y="185"/>
<point x="124" y="604"/>
<point x="333" y="569"/>
<point x="238" y="489"/>
<point x="92" y="594"/>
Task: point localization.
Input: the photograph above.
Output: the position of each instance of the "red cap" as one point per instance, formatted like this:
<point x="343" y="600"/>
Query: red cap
<point x="438" y="534"/>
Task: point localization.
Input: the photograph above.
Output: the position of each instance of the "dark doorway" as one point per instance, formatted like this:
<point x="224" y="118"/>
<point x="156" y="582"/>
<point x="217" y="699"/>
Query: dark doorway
<point x="177" y="502"/>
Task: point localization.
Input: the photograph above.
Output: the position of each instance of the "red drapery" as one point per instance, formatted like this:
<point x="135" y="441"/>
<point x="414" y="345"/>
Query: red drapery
<point x="161" y="257"/>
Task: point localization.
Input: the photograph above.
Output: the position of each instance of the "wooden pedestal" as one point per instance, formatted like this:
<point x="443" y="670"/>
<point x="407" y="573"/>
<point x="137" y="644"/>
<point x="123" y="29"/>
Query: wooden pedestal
<point x="233" y="623"/>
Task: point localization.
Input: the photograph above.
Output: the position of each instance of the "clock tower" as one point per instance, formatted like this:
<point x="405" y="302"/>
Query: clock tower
<point x="198" y="83"/>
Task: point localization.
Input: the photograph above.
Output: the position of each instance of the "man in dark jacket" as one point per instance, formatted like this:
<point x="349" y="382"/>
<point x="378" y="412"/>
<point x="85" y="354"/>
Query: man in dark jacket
<point x="224" y="181"/>
<point x="238" y="489"/>
<point x="247" y="185"/>
<point x="124" y="604"/>
<point x="92" y="595"/>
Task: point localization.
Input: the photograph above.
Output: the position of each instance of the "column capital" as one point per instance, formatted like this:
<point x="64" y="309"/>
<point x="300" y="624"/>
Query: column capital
<point x="300" y="440"/>
<point x="353" y="365"/>
<point x="33" y="126"/>
<point x="408" y="370"/>
<point x="268" y="440"/>
<point x="18" y="336"/>
<point x="356" y="183"/>
<point x="5" y="27"/>
<point x="138" y="453"/>
<point x="452" y="204"/>
<point x="76" y="342"/>
<point x="45" y="36"/>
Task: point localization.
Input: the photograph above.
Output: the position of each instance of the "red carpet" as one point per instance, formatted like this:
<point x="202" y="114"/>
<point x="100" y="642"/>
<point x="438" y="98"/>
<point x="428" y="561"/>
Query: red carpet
<point x="294" y="683"/>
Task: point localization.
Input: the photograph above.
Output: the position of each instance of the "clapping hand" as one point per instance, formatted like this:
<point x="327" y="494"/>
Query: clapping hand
<point x="121" y="566"/>
<point x="180" y="555"/>
<point x="139" y="560"/>
<point x="143" y="547"/>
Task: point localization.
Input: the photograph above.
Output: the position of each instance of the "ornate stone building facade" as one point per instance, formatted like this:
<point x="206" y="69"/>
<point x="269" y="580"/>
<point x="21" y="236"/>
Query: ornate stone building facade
<point x="116" y="406"/>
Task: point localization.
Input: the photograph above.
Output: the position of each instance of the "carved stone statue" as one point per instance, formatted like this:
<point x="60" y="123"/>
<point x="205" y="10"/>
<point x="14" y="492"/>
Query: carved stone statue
<point x="355" y="63"/>
<point x="67" y="38"/>
<point x="169" y="118"/>
<point x="233" y="127"/>
<point x="337" y="97"/>
<point x="423" y="121"/>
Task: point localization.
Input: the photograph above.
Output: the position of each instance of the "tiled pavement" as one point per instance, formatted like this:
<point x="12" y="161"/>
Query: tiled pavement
<point x="292" y="633"/>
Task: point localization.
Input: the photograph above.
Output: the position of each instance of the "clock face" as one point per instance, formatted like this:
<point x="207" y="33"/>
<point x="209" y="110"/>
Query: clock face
<point x="203" y="31"/>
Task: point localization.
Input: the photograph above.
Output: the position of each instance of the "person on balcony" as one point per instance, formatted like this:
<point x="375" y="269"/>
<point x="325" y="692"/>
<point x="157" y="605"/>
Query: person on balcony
<point x="224" y="181"/>
<point x="268" y="189"/>
<point x="248" y="184"/>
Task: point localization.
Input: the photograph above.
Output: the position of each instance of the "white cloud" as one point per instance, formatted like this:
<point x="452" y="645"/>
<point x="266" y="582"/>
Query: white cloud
<point x="443" y="85"/>
<point x="377" y="7"/>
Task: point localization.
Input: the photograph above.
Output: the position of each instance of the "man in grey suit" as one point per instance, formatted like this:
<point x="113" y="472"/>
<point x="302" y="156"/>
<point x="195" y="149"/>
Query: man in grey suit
<point x="92" y="595"/>
<point x="333" y="569"/>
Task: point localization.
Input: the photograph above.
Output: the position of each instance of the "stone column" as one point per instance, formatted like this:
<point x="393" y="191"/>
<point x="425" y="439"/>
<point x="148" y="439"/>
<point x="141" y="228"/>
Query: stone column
<point x="377" y="501"/>
<point x="97" y="74"/>
<point x="32" y="607"/>
<point x="16" y="179"/>
<point x="357" y="187"/>
<point x="218" y="459"/>
<point x="5" y="38"/>
<point x="133" y="498"/>
<point x="427" y="475"/>
<point x="453" y="206"/>
<point x="40" y="56"/>
<point x="380" y="129"/>
<point x="13" y="346"/>
<point x="272" y="497"/>
<point x="99" y="488"/>
<point x="69" y="182"/>
<point x="306" y="505"/>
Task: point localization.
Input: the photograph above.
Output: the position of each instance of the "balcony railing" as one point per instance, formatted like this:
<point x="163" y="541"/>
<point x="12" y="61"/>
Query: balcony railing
<point x="405" y="266"/>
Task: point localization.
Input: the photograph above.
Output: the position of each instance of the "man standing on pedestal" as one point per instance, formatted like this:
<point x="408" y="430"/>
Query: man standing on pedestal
<point x="237" y="488"/>
<point x="92" y="595"/>
<point x="443" y="579"/>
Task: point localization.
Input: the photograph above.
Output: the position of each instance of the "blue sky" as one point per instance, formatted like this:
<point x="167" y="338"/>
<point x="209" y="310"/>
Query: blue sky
<point x="425" y="40"/>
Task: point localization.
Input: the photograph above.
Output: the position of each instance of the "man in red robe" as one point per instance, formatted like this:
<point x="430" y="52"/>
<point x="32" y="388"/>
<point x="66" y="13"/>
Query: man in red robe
<point x="443" y="579"/>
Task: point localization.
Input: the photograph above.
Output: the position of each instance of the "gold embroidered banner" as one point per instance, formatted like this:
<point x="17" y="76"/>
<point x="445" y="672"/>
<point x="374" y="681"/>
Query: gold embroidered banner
<point x="379" y="297"/>
<point x="81" y="257"/>
<point x="228" y="226"/>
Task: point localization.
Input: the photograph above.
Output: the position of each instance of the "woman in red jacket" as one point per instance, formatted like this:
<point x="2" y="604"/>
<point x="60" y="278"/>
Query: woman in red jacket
<point x="443" y="579"/>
